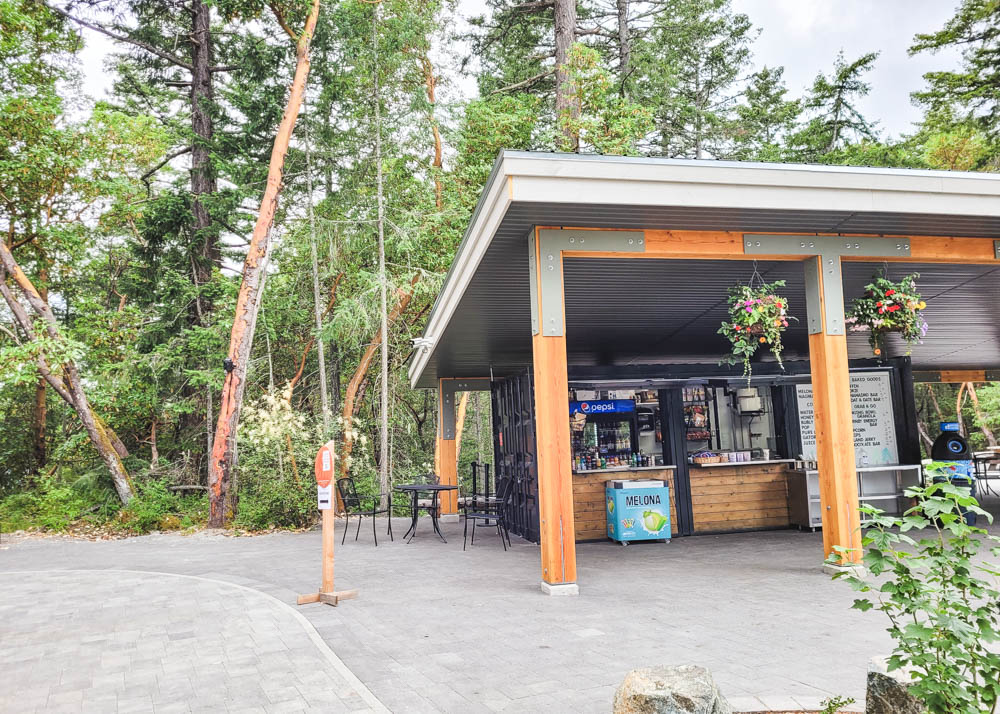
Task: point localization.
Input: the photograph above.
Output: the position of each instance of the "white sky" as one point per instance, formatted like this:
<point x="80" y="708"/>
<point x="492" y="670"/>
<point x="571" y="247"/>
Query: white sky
<point x="803" y="36"/>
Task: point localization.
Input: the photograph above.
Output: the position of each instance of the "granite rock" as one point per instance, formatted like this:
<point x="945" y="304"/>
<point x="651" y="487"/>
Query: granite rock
<point x="888" y="692"/>
<point x="685" y="689"/>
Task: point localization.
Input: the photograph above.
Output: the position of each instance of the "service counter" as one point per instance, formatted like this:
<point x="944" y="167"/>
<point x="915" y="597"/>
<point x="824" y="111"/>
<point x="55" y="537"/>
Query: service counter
<point x="739" y="495"/>
<point x="589" y="507"/>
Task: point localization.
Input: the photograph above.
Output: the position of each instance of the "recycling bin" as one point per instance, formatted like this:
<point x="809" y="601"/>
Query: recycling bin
<point x="638" y="510"/>
<point x="953" y="462"/>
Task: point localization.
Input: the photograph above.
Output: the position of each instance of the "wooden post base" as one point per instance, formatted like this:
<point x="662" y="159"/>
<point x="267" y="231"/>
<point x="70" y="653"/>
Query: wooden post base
<point x="329" y="598"/>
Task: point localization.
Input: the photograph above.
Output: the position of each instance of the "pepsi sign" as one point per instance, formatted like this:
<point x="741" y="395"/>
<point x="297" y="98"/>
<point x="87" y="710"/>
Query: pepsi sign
<point x="602" y="406"/>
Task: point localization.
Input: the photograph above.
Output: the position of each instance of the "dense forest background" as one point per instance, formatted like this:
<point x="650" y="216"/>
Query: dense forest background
<point x="126" y="221"/>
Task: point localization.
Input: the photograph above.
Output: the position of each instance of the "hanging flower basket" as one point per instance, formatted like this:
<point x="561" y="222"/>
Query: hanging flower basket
<point x="889" y="307"/>
<point x="757" y="318"/>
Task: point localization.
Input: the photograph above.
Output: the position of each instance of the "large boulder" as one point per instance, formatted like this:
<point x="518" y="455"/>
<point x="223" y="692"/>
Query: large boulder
<point x="685" y="689"/>
<point x="888" y="692"/>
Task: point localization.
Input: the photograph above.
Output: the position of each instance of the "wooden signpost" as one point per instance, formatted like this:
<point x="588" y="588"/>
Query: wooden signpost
<point x="324" y="498"/>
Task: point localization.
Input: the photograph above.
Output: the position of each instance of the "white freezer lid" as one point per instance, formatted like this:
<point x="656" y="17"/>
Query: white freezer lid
<point x="639" y="483"/>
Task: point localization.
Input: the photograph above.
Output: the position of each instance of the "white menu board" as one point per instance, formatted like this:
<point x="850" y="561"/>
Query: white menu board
<point x="874" y="423"/>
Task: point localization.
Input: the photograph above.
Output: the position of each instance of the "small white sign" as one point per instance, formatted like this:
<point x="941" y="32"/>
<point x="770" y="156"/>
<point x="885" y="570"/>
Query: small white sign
<point x="324" y="497"/>
<point x="326" y="461"/>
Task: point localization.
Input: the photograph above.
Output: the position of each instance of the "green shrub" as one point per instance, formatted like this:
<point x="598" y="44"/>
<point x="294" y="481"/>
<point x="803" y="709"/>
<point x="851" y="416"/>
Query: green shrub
<point x="56" y="502"/>
<point x="269" y="501"/>
<point x="155" y="507"/>
<point x="943" y="606"/>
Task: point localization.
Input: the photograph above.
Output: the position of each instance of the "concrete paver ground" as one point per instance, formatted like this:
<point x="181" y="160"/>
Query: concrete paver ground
<point x="112" y="641"/>
<point x="436" y="629"/>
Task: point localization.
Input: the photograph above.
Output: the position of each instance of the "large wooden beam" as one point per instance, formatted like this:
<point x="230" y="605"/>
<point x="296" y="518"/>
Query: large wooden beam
<point x="834" y="425"/>
<point x="552" y="447"/>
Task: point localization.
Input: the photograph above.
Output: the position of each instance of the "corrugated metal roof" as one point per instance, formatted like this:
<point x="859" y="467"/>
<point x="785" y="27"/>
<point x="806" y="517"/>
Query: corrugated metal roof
<point x="482" y="319"/>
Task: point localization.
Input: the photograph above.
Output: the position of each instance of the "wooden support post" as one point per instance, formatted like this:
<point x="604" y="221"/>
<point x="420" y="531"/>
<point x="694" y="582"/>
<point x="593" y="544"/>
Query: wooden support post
<point x="552" y="436"/>
<point x="555" y="479"/>
<point x="447" y="458"/>
<point x="834" y="423"/>
<point x="324" y="483"/>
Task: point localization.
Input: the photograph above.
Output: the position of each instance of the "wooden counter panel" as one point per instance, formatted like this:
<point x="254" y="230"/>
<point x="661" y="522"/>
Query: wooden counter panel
<point x="733" y="498"/>
<point x="589" y="508"/>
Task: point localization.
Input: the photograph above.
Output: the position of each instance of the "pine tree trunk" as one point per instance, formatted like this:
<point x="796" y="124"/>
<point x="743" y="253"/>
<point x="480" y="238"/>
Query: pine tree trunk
<point x="324" y="399"/>
<point x="624" y="46"/>
<point x="203" y="175"/>
<point x="565" y="34"/>
<point x="247" y="302"/>
<point x="383" y="282"/>
<point x="91" y="423"/>
<point x="38" y="422"/>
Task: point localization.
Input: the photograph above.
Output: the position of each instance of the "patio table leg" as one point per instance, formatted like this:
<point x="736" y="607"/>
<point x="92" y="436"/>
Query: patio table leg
<point x="434" y="517"/>
<point x="413" y="517"/>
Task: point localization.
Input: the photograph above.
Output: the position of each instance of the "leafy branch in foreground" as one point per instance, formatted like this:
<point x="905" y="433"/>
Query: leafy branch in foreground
<point x="942" y="602"/>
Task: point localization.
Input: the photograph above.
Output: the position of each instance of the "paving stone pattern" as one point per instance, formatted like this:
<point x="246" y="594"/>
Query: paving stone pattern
<point x="436" y="629"/>
<point x="136" y="642"/>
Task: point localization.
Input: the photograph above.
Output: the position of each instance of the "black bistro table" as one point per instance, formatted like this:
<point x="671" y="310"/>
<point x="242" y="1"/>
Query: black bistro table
<point x="414" y="489"/>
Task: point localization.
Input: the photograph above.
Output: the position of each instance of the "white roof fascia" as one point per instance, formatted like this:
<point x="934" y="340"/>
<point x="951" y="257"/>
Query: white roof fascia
<point x="489" y="213"/>
<point x="723" y="184"/>
<point x="562" y="178"/>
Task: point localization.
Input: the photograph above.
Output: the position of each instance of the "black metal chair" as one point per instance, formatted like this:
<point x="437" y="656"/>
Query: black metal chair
<point x="353" y="506"/>
<point x="493" y="510"/>
<point x="427" y="504"/>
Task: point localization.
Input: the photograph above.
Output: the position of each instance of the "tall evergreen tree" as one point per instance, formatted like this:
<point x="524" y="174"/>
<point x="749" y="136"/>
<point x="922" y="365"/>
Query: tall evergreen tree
<point x="835" y="119"/>
<point x="765" y="117"/>
<point x="975" y="86"/>
<point x="689" y="70"/>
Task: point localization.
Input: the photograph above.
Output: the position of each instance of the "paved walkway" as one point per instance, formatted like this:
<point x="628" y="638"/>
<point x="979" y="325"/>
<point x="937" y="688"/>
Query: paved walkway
<point x="138" y="642"/>
<point x="435" y="628"/>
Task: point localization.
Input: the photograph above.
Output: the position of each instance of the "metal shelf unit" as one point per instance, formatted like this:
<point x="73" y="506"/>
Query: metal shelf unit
<point x="878" y="486"/>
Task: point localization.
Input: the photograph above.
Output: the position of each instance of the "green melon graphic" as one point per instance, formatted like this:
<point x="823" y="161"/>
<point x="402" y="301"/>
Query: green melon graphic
<point x="653" y="521"/>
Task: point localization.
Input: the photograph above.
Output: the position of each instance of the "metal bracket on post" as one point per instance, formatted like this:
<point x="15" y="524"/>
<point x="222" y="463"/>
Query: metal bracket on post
<point x="532" y="282"/>
<point x="826" y="254"/>
<point x="551" y="244"/>
<point x="450" y="387"/>
<point x="814" y="300"/>
<point x="996" y="249"/>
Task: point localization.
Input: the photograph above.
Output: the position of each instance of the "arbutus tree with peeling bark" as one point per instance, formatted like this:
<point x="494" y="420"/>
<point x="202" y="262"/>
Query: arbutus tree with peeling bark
<point x="223" y="457"/>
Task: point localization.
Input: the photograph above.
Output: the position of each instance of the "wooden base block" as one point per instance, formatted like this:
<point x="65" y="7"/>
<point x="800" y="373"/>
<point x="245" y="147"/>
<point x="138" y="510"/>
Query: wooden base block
<point x="329" y="598"/>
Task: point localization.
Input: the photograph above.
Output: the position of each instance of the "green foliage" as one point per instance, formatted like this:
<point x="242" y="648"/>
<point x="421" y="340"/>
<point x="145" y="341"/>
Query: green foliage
<point x="155" y="507"/>
<point x="757" y="316"/>
<point x="832" y="103"/>
<point x="688" y="70"/>
<point x="886" y="307"/>
<point x="271" y="491"/>
<point x="942" y="603"/>
<point x="606" y="123"/>
<point x="51" y="507"/>
<point x="835" y="704"/>
<point x="766" y="118"/>
<point x="973" y="90"/>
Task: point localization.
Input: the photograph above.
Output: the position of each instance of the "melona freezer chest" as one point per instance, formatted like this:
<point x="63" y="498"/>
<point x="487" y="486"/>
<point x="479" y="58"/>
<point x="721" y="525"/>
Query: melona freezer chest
<point x="637" y="510"/>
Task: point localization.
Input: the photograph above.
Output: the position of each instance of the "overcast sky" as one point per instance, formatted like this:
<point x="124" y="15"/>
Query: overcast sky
<point x="803" y="36"/>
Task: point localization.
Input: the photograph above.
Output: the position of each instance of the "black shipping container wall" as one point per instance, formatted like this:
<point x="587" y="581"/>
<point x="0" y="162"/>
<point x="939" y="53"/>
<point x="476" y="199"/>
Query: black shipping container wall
<point x="514" y="450"/>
